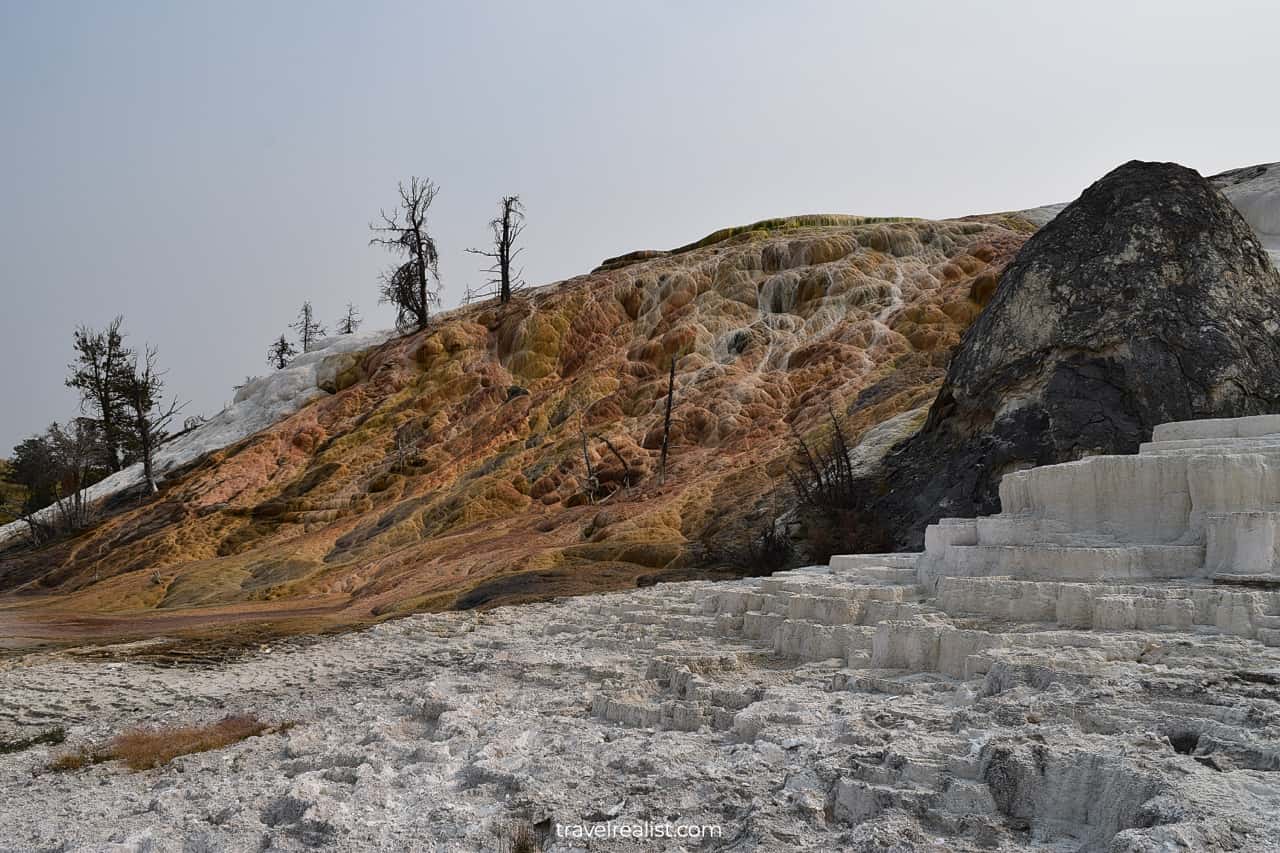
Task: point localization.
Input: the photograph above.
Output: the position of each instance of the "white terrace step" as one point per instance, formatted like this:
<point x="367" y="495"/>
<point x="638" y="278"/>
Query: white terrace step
<point x="1267" y="444"/>
<point x="1067" y="563"/>
<point x="915" y="777"/>
<point x="1246" y="427"/>
<point x="774" y="596"/>
<point x="1243" y="542"/>
<point x="847" y="562"/>
<point x="854" y="801"/>
<point x="1086" y="606"/>
<point x="861" y="680"/>
<point x="1241" y="612"/>
<point x="669" y="714"/>
<point x="680" y="682"/>
<point x="852" y="588"/>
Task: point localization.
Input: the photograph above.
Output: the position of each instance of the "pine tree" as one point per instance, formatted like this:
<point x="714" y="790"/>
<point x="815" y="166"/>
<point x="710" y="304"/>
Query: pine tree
<point x="101" y="359"/>
<point x="308" y="327"/>
<point x="281" y="353"/>
<point x="349" y="321"/>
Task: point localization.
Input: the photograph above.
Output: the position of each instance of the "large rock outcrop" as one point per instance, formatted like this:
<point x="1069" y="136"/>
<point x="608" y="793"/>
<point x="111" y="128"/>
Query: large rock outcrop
<point x="1148" y="299"/>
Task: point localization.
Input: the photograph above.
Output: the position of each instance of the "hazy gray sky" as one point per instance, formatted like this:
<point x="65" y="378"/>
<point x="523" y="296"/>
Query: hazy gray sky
<point x="204" y="168"/>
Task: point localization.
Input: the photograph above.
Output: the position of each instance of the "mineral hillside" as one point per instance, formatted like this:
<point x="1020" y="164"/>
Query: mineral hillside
<point x="1067" y="419"/>
<point x="381" y="475"/>
<point x="445" y="468"/>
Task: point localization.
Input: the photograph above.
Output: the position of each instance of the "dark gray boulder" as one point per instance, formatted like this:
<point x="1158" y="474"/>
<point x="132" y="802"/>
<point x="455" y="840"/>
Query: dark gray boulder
<point x="1148" y="299"/>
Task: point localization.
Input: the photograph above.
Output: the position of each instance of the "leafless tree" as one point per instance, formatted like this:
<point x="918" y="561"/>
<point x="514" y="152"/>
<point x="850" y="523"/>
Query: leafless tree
<point x="413" y="284"/>
<point x="55" y="468"/>
<point x="101" y="359"/>
<point x="280" y="353"/>
<point x="666" y="423"/>
<point x="149" y="419"/>
<point x="626" y="466"/>
<point x="592" y="485"/>
<point x="825" y="481"/>
<point x="507" y="227"/>
<point x="407" y="440"/>
<point x="308" y="327"/>
<point x="76" y="449"/>
<point x="349" y="321"/>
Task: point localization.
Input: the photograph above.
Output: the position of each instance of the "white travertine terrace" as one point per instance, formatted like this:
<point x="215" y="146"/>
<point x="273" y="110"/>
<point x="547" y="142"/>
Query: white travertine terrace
<point x="1096" y="669"/>
<point x="1198" y="503"/>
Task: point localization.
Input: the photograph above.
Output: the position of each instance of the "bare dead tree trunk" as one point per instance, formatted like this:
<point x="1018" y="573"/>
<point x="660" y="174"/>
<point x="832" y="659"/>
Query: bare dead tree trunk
<point x="666" y="423"/>
<point x="142" y="389"/>
<point x="507" y="227"/>
<point x="408" y="286"/>
<point x="592" y="480"/>
<point x="626" y="468"/>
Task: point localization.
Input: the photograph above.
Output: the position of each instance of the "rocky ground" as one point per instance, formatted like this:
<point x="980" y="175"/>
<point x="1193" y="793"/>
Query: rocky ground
<point x="813" y="710"/>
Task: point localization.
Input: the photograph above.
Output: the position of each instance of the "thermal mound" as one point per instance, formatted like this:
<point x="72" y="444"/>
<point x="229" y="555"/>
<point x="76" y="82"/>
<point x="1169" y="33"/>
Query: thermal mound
<point x="446" y="468"/>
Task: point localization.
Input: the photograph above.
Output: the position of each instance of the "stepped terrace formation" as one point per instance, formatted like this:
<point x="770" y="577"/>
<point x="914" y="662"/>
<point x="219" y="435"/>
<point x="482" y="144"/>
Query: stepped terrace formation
<point x="1097" y="668"/>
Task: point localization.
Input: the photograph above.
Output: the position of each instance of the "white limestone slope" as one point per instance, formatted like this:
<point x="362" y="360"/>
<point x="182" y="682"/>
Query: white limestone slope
<point x="1254" y="190"/>
<point x="1122" y="698"/>
<point x="257" y="405"/>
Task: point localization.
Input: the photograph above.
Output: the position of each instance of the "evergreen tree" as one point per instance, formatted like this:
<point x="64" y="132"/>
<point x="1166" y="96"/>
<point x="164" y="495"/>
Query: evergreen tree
<point x="350" y="321"/>
<point x="101" y="360"/>
<point x="308" y="327"/>
<point x="281" y="352"/>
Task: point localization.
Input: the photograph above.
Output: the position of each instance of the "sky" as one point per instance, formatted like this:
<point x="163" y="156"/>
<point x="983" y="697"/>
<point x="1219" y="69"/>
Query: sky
<point x="204" y="168"/>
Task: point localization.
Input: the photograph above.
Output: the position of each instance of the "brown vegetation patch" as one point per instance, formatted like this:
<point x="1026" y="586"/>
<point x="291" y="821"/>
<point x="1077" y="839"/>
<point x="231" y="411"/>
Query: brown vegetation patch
<point x="145" y="747"/>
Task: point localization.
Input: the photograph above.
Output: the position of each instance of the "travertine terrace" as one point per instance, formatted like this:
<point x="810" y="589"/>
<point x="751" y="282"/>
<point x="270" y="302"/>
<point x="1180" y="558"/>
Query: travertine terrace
<point x="1096" y="669"/>
<point x="446" y="469"/>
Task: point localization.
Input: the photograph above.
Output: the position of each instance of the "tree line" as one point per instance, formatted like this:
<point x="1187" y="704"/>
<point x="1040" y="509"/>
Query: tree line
<point x="123" y="419"/>
<point x="412" y="284"/>
<point x="308" y="330"/>
<point x="123" y="416"/>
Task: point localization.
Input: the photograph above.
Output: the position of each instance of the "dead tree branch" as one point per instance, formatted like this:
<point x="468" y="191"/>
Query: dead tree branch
<point x="507" y="227"/>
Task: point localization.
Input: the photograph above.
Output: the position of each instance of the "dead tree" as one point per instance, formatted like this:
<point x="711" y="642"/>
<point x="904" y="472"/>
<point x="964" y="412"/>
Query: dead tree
<point x="507" y="227"/>
<point x="53" y="469"/>
<point x="826" y="481"/>
<point x="350" y="321"/>
<point x="76" y="447"/>
<point x="626" y="466"/>
<point x="101" y="359"/>
<point x="593" y="481"/>
<point x="308" y="327"/>
<point x="149" y="420"/>
<point x="412" y="285"/>
<point x="666" y="423"/>
<point x="279" y="354"/>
